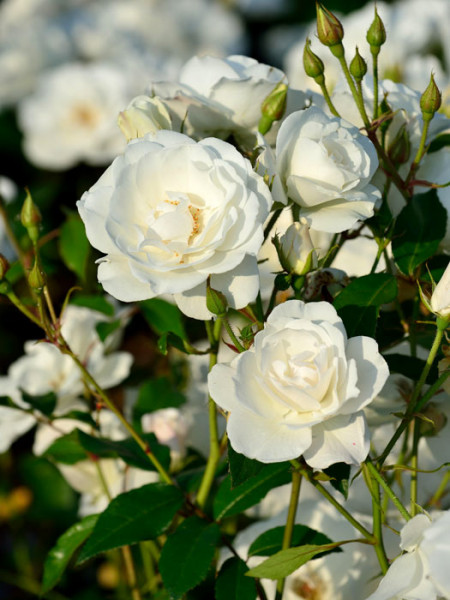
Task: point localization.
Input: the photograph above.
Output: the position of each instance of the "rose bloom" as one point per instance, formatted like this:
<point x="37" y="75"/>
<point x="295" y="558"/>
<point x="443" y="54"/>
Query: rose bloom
<point x="325" y="165"/>
<point x="440" y="299"/>
<point x="422" y="572"/>
<point x="301" y="389"/>
<point x="219" y="96"/>
<point x="44" y="369"/>
<point x="71" y="117"/>
<point x="169" y="213"/>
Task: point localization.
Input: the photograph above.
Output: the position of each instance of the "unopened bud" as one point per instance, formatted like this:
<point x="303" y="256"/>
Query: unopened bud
<point x="295" y="249"/>
<point x="440" y="299"/>
<point x="273" y="107"/>
<point x="376" y="34"/>
<point x="400" y="147"/>
<point x="312" y="64"/>
<point x="329" y="29"/>
<point x="144" y="115"/>
<point x="385" y="109"/>
<point x="430" y="100"/>
<point x="216" y="302"/>
<point x="30" y="217"/>
<point x="358" y="66"/>
<point x="36" y="278"/>
<point x="4" y="266"/>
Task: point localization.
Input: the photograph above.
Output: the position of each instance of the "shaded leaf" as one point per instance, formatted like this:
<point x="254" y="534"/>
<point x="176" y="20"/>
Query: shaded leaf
<point x="241" y="467"/>
<point x="187" y="555"/>
<point x="232" y="501"/>
<point x="59" y="556"/>
<point x="128" y="450"/>
<point x="98" y="303"/>
<point x="156" y="394"/>
<point x="339" y="474"/>
<point x="45" y="403"/>
<point x="232" y="584"/>
<point x="410" y="366"/>
<point x="66" y="449"/>
<point x="163" y="317"/>
<point x="359" y="303"/>
<point x="270" y="542"/>
<point x="74" y="246"/>
<point x="106" y="328"/>
<point x="418" y="231"/>
<point x="137" y="515"/>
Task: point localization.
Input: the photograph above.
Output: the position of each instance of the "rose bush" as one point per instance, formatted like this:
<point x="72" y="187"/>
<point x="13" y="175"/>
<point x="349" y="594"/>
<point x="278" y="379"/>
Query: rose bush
<point x="169" y="213"/>
<point x="301" y="389"/>
<point x="325" y="165"/>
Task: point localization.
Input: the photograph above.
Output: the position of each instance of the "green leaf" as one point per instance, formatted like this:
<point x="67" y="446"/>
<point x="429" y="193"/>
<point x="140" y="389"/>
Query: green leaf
<point x="285" y="562"/>
<point x="242" y="468"/>
<point x="45" y="403"/>
<point x="232" y="501"/>
<point x="418" y="231"/>
<point x="187" y="555"/>
<point x="359" y="303"/>
<point x="410" y="366"/>
<point x="339" y="474"/>
<point x="59" y="556"/>
<point x="74" y="245"/>
<point x="98" y="303"/>
<point x="141" y="514"/>
<point x="128" y="450"/>
<point x="163" y="317"/>
<point x="106" y="328"/>
<point x="439" y="142"/>
<point x="232" y="584"/>
<point x="169" y="339"/>
<point x="66" y="449"/>
<point x="156" y="394"/>
<point x="270" y="542"/>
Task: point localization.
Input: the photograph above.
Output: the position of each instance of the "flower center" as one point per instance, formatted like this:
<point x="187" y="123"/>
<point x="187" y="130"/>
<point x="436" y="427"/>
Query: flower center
<point x="85" y="116"/>
<point x="310" y="587"/>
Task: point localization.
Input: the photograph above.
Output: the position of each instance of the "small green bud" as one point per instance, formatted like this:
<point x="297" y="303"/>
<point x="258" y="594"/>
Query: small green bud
<point x="329" y="29"/>
<point x="376" y="34"/>
<point x="4" y="266"/>
<point x="400" y="148"/>
<point x="273" y="107"/>
<point x="358" y="66"/>
<point x="5" y="287"/>
<point x="30" y="217"/>
<point x="312" y="64"/>
<point x="36" y="278"/>
<point x="216" y="302"/>
<point x="385" y="109"/>
<point x="430" y="100"/>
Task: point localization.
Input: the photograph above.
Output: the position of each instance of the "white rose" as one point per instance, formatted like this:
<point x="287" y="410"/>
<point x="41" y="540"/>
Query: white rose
<point x="296" y="249"/>
<point x="44" y="369"/>
<point x="421" y="573"/>
<point x="169" y="213"/>
<point x="325" y="165"/>
<point x="71" y="117"/>
<point x="219" y="96"/>
<point x="301" y="389"/>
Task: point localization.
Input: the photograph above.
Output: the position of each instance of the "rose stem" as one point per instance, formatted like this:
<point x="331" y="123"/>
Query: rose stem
<point x="290" y="522"/>
<point x="214" y="448"/>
